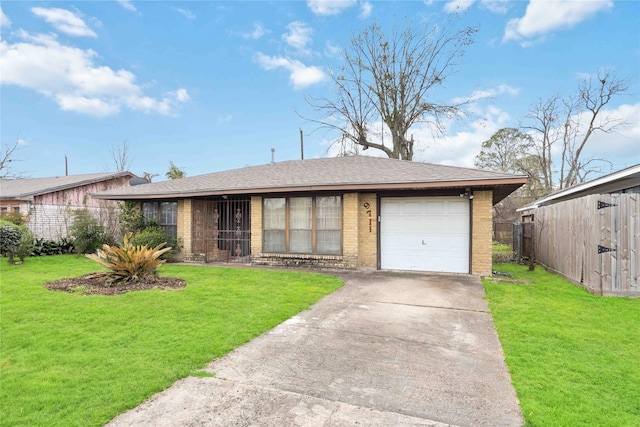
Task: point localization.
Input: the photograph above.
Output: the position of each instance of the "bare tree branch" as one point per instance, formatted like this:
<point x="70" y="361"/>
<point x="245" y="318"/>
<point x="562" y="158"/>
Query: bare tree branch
<point x="390" y="79"/>
<point x="7" y="158"/>
<point x="120" y="156"/>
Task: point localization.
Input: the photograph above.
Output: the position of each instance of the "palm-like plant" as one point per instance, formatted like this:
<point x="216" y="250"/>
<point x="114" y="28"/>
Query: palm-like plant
<point x="129" y="263"/>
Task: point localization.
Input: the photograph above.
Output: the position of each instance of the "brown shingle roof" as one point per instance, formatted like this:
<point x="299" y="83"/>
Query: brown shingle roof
<point x="335" y="173"/>
<point x="22" y="189"/>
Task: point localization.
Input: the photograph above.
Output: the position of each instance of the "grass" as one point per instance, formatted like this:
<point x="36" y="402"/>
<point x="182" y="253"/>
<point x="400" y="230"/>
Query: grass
<point x="574" y="357"/>
<point x="68" y="359"/>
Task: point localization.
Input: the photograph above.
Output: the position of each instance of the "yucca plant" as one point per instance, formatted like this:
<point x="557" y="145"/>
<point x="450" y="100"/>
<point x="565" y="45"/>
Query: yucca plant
<point x="129" y="263"/>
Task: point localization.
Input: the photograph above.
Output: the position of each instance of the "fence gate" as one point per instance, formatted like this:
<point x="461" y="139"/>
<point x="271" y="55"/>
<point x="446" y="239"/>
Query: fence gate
<point x="221" y="229"/>
<point x="593" y="240"/>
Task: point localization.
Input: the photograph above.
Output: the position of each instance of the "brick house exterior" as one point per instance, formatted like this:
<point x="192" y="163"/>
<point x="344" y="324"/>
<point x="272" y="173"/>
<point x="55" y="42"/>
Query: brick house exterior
<point x="345" y="212"/>
<point x="48" y="203"/>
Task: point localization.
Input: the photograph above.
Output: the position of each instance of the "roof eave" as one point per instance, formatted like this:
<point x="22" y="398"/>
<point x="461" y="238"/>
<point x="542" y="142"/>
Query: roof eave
<point x="516" y="182"/>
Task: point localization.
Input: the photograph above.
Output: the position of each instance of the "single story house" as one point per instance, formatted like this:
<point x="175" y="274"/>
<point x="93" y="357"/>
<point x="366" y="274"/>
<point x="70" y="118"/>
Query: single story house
<point x="48" y="203"/>
<point x="590" y="232"/>
<point x="342" y="212"/>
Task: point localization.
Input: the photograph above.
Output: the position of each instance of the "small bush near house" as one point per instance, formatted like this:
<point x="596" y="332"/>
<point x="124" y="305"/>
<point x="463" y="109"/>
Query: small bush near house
<point x="14" y="217"/>
<point x="129" y="262"/>
<point x="52" y="247"/>
<point x="131" y="219"/>
<point x="87" y="233"/>
<point x="150" y="237"/>
<point x="10" y="238"/>
<point x="25" y="248"/>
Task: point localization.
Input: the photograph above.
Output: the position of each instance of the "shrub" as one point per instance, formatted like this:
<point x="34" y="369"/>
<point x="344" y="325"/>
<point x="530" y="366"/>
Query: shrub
<point x="86" y="231"/>
<point x="14" y="217"/>
<point x="149" y="237"/>
<point x="52" y="247"/>
<point x="10" y="236"/>
<point x="129" y="262"/>
<point x="131" y="218"/>
<point x="25" y="248"/>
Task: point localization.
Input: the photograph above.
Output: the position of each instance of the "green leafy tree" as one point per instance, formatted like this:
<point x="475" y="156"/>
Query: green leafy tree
<point x="175" y="172"/>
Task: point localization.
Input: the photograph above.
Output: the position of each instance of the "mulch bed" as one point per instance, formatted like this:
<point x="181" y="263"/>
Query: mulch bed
<point x="97" y="284"/>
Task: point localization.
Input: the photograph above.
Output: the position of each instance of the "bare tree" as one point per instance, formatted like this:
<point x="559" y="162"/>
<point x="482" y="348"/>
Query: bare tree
<point x="569" y="123"/>
<point x="7" y="157"/>
<point x="391" y="79"/>
<point x="120" y="156"/>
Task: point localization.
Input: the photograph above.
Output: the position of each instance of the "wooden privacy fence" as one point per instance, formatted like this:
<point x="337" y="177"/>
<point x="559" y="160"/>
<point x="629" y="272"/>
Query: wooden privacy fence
<point x="593" y="241"/>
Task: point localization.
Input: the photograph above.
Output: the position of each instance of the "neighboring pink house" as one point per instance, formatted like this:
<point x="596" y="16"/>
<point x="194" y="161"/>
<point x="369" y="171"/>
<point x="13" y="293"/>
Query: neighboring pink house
<point x="49" y="203"/>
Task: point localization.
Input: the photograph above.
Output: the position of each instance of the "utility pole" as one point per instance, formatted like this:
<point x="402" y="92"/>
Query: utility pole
<point x="301" y="145"/>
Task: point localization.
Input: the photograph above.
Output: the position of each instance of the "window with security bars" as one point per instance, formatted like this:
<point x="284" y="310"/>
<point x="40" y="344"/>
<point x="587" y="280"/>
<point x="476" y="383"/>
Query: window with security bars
<point x="303" y="225"/>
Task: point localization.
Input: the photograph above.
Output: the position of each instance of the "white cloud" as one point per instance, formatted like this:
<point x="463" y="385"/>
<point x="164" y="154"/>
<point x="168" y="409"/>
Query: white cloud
<point x="453" y="6"/>
<point x="543" y="17"/>
<point x="365" y="10"/>
<point x="186" y="12"/>
<point x="91" y="106"/>
<point x="496" y="6"/>
<point x="127" y="5"/>
<point x="70" y="76"/>
<point x="182" y="95"/>
<point x="299" y="36"/>
<point x="301" y="75"/>
<point x="65" y="21"/>
<point x="257" y="32"/>
<point x="330" y="7"/>
<point x="332" y="50"/>
<point x="4" y="20"/>
<point x="481" y="94"/>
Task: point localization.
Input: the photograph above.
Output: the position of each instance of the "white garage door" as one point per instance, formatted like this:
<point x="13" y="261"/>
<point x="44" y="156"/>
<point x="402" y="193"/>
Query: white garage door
<point x="425" y="234"/>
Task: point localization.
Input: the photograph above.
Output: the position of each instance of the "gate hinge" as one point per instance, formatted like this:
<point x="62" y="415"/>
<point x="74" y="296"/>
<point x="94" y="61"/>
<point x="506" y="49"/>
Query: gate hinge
<point x="602" y="205"/>
<point x="602" y="249"/>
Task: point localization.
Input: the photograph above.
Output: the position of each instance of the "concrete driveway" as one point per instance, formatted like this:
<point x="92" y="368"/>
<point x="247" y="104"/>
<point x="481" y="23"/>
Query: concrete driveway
<point x="387" y="349"/>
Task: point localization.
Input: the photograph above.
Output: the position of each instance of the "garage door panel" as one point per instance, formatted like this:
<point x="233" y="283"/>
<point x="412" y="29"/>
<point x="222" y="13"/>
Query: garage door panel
<point x="425" y="233"/>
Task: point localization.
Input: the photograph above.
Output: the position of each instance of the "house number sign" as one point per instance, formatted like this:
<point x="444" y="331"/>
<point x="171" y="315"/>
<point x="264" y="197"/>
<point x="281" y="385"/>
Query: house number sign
<point x="367" y="206"/>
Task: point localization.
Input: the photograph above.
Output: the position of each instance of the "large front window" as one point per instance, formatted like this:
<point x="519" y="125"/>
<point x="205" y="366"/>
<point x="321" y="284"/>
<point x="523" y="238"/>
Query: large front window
<point x="303" y="225"/>
<point x="165" y="214"/>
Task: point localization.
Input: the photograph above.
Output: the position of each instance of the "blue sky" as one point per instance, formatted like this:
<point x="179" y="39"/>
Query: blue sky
<point x="214" y="85"/>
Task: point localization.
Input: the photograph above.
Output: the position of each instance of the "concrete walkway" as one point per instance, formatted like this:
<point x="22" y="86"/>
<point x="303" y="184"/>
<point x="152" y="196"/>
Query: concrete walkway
<point x="387" y="349"/>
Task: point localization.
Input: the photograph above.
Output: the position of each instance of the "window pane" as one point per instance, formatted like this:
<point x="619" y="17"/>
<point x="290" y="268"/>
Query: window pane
<point x="328" y="213"/>
<point x="300" y="241"/>
<point x="150" y="210"/>
<point x="168" y="213"/>
<point x="274" y="241"/>
<point x="274" y="225"/>
<point x="300" y="213"/>
<point x="328" y="242"/>
<point x="274" y="214"/>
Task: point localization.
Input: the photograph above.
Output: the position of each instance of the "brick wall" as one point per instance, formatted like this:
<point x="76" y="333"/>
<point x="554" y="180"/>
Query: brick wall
<point x="482" y="232"/>
<point x="367" y="230"/>
<point x="350" y="225"/>
<point x="256" y="225"/>
<point x="53" y="222"/>
<point x="184" y="231"/>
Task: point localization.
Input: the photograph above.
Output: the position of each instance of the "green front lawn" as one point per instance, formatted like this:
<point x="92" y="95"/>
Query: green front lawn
<point x="73" y="360"/>
<point x="574" y="357"/>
